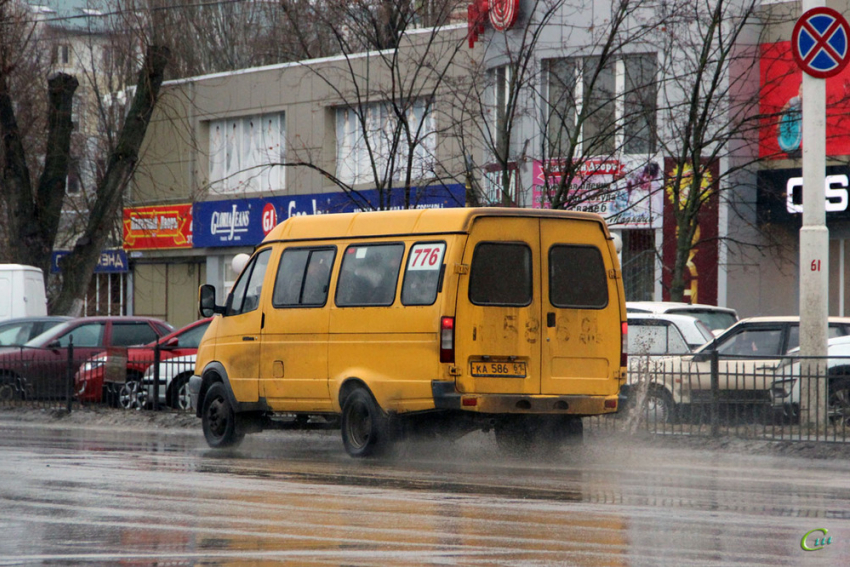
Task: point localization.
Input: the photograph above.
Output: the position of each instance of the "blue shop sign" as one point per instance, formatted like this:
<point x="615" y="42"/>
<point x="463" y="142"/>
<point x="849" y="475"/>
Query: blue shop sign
<point x="245" y="222"/>
<point x="109" y="261"/>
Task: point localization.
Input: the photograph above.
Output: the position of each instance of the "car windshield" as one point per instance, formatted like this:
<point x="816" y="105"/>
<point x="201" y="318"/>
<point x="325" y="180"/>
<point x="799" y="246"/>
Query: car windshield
<point x="711" y="319"/>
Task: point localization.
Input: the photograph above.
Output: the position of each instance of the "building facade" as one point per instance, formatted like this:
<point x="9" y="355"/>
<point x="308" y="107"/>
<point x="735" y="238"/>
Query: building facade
<point x="228" y="156"/>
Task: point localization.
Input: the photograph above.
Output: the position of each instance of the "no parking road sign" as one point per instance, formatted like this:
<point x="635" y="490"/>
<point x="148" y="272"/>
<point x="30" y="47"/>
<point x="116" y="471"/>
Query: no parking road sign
<point x="820" y="42"/>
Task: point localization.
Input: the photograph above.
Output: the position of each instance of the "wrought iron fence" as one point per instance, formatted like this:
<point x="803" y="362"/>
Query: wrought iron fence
<point x="64" y="377"/>
<point x="785" y="398"/>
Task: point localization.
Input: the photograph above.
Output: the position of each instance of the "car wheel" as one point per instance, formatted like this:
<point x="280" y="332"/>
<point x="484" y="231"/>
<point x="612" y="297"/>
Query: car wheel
<point x="365" y="427"/>
<point x="514" y="434"/>
<point x="659" y="407"/>
<point x="132" y="395"/>
<point x="219" y="420"/>
<point x="839" y="401"/>
<point x="7" y="393"/>
<point x="179" y="394"/>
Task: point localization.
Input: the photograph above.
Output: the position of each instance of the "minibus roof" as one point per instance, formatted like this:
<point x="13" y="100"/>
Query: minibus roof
<point x="404" y="222"/>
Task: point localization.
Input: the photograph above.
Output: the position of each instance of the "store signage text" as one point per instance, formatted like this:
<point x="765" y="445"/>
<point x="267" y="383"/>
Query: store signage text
<point x="158" y="227"/>
<point x="109" y="261"/>
<point x="835" y="189"/>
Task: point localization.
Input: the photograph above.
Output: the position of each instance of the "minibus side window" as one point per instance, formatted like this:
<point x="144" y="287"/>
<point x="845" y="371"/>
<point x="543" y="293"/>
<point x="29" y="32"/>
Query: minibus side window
<point x="422" y="274"/>
<point x="500" y="274"/>
<point x="577" y="277"/>
<point x="303" y="277"/>
<point x="246" y="292"/>
<point x="368" y="275"/>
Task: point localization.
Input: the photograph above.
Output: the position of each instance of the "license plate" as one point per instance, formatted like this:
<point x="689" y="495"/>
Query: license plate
<point x="498" y="369"/>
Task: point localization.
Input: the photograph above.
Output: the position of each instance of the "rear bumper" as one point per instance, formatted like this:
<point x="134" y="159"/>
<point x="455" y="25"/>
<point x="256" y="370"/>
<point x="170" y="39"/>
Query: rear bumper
<point x="446" y="397"/>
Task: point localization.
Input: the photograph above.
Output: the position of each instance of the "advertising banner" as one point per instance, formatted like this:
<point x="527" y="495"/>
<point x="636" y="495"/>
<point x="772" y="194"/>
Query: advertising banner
<point x="780" y="195"/>
<point x="626" y="192"/>
<point x="700" y="273"/>
<point x="245" y="222"/>
<point x="158" y="227"/>
<point x="780" y="106"/>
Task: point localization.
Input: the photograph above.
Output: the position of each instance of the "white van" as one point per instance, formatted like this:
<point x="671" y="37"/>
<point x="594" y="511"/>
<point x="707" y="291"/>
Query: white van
<point x="21" y="291"/>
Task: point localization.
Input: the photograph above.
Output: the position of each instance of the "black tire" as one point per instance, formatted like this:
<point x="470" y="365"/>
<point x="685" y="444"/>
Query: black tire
<point x="178" y="393"/>
<point x="514" y="434"/>
<point x="219" y="421"/>
<point x="660" y="407"/>
<point x="838" y="406"/>
<point x="365" y="427"/>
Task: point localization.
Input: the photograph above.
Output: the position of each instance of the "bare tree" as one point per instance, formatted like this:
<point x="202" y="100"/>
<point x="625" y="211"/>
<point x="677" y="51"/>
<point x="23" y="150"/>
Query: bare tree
<point x="387" y="100"/>
<point x="34" y="211"/>
<point x="709" y="113"/>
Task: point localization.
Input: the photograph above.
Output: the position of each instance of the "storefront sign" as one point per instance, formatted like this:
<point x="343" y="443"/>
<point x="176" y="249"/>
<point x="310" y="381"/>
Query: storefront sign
<point x="626" y="192"/>
<point x="700" y="272"/>
<point x="158" y="227"/>
<point x="780" y="195"/>
<point x="245" y="222"/>
<point x="109" y="262"/>
<point x="780" y="106"/>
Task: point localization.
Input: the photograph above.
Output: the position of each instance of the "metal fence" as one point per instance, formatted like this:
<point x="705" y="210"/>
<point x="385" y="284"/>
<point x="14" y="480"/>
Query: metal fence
<point x="68" y="377"/>
<point x="789" y="398"/>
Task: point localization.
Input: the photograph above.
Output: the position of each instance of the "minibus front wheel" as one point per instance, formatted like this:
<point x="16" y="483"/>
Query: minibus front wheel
<point x="365" y="427"/>
<point x="219" y="419"/>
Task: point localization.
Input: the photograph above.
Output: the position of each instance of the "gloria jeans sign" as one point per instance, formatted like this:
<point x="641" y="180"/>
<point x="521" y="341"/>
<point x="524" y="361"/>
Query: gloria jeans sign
<point x="245" y="222"/>
<point x="780" y="195"/>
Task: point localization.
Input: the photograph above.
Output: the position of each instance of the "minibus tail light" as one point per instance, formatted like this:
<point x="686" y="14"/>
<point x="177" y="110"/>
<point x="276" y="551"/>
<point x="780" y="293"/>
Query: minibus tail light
<point x="624" y="346"/>
<point x="447" y="339"/>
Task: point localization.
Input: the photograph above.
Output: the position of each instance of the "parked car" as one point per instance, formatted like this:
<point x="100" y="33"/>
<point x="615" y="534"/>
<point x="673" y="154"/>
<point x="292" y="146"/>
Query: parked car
<point x="749" y="351"/>
<point x="653" y="337"/>
<point x="19" y="331"/>
<point x="717" y="319"/>
<point x="92" y="383"/>
<point x="174" y="375"/>
<point x="786" y="385"/>
<point x="39" y="368"/>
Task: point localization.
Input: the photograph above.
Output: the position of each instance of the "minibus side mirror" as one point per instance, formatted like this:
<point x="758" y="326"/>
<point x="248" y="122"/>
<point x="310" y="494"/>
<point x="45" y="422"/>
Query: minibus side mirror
<point x="206" y="301"/>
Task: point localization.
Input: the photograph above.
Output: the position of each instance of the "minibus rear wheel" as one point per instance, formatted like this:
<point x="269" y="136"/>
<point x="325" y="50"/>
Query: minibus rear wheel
<point x="219" y="419"/>
<point x="365" y="428"/>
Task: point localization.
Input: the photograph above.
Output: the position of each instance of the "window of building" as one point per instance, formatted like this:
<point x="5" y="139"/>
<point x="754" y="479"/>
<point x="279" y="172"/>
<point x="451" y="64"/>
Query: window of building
<point x="247" y="153"/>
<point x="585" y="84"/>
<point x="60" y="54"/>
<point x="500" y="274"/>
<point x="577" y="277"/>
<point x="303" y="277"/>
<point x="367" y="139"/>
<point x="368" y="275"/>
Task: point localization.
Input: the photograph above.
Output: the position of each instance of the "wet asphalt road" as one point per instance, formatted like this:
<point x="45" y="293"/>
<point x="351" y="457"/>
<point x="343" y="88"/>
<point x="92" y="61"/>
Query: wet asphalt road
<point x="116" y="497"/>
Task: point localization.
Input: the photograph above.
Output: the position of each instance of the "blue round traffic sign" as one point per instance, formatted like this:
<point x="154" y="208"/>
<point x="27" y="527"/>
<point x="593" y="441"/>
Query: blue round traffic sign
<point x="821" y="42"/>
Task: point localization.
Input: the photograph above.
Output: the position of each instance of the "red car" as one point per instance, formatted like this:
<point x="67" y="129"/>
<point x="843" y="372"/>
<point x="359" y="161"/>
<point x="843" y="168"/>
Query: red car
<point x="93" y="385"/>
<point x="39" y="368"/>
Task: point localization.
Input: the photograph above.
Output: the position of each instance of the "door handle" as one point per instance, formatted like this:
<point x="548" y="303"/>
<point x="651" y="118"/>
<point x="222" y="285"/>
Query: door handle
<point x="550" y="319"/>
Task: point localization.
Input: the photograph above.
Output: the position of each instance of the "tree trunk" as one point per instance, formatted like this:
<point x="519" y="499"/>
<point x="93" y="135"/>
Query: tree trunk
<point x="34" y="216"/>
<point x="78" y="266"/>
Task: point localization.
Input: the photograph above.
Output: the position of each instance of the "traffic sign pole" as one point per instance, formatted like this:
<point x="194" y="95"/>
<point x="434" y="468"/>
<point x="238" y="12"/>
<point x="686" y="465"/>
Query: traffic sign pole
<point x="820" y="44"/>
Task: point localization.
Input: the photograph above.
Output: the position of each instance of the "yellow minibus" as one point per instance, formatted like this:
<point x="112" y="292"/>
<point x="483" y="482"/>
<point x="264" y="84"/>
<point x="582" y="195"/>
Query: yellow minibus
<point x="438" y="321"/>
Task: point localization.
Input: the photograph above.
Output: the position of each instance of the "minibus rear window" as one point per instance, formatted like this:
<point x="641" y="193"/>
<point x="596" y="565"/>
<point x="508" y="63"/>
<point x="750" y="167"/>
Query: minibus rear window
<point x="577" y="277"/>
<point x="368" y="275"/>
<point x="500" y="274"/>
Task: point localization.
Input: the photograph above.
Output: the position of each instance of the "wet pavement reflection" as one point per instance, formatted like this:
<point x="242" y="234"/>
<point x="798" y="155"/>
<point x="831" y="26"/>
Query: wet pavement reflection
<point x="89" y="496"/>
